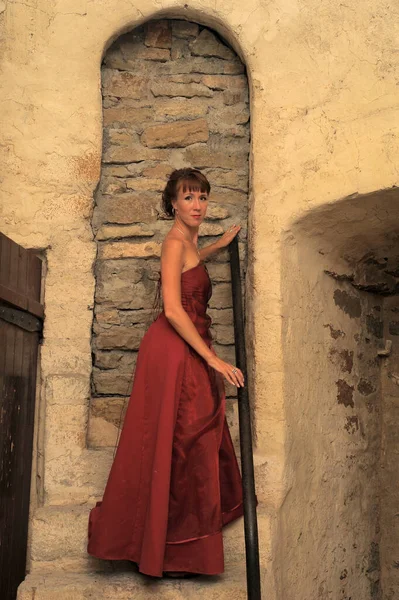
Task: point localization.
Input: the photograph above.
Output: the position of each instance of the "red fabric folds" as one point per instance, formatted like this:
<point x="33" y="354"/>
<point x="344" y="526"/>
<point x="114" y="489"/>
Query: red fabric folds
<point x="175" y="480"/>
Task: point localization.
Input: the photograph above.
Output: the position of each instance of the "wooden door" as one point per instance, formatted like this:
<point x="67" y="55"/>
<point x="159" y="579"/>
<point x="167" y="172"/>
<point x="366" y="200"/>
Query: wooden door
<point x="21" y="318"/>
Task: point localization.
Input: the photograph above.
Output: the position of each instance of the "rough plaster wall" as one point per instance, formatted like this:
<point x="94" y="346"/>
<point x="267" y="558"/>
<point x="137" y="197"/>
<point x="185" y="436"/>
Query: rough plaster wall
<point x="336" y="278"/>
<point x="324" y="118"/>
<point x="329" y="521"/>
<point x="390" y="455"/>
<point x="174" y="95"/>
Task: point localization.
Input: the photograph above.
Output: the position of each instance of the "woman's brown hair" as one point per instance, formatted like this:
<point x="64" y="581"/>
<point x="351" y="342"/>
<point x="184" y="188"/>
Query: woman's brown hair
<point x="192" y="180"/>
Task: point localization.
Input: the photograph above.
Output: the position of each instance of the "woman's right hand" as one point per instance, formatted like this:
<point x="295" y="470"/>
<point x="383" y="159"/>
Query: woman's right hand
<point x="230" y="372"/>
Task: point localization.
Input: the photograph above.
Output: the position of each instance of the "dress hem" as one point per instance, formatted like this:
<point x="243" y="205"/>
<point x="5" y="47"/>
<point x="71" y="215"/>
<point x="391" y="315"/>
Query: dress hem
<point x="178" y="560"/>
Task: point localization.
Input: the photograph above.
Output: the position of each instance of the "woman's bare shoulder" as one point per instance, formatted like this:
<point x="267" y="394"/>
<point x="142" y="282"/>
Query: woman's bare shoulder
<point x="173" y="246"/>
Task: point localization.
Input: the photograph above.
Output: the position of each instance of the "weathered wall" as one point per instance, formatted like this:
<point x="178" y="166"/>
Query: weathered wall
<point x="335" y="527"/>
<point x="173" y="95"/>
<point x="330" y="518"/>
<point x="390" y="449"/>
<point x="324" y="124"/>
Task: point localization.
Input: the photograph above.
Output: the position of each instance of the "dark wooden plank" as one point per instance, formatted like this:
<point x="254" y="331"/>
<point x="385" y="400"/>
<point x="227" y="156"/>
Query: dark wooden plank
<point x="7" y="464"/>
<point x="13" y="261"/>
<point x="28" y="393"/>
<point x="35" y="275"/>
<point x="5" y="247"/>
<point x="3" y="428"/>
<point x="22" y="272"/>
<point x="20" y="287"/>
<point x="14" y="266"/>
<point x="12" y="297"/>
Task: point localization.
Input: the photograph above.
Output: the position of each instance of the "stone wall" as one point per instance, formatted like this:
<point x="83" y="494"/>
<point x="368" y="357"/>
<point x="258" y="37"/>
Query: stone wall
<point x="174" y="95"/>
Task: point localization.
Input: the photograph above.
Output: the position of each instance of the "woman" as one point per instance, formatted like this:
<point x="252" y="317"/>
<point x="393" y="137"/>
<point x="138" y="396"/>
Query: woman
<point x="175" y="480"/>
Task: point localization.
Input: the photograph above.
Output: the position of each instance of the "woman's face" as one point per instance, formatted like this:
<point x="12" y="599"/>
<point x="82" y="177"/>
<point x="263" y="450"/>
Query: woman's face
<point x="190" y="206"/>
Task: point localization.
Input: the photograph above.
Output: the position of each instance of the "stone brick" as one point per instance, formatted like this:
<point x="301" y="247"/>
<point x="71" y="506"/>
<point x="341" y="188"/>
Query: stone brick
<point x="185" y="78"/>
<point x="113" y="171"/>
<point x="123" y="361"/>
<point x="219" y="272"/>
<point x="142" y="316"/>
<point x="176" y="135"/>
<point x="226" y="353"/>
<point x="161" y="171"/>
<point x="230" y="120"/>
<point x="67" y="389"/>
<point x="205" y="65"/>
<point x="125" y="209"/>
<point x="224" y="334"/>
<point x="179" y="108"/>
<point x="129" y="271"/>
<point x="221" y="296"/>
<point x="113" y="232"/>
<point x="116" y="60"/>
<point x="112" y="185"/>
<point x="132" y="153"/>
<point x="226" y="196"/>
<point x="235" y="96"/>
<point x="184" y="29"/>
<point x="111" y="408"/>
<point x="129" y="250"/>
<point x="225" y="82"/>
<point x="123" y="84"/>
<point x="169" y="88"/>
<point x="231" y="179"/>
<point x="159" y="34"/>
<point x="65" y="429"/>
<point x="207" y="44"/>
<point x="107" y="317"/>
<point x="120" y="136"/>
<point x="127" y="115"/>
<point x="126" y="295"/>
<point x="180" y="50"/>
<point x="101" y="433"/>
<point x="113" y="382"/>
<point x="222" y="316"/>
<point x="146" y="184"/>
<point x="210" y="229"/>
<point x="211" y="155"/>
<point x="127" y="338"/>
<point x="157" y="54"/>
<point x="216" y="211"/>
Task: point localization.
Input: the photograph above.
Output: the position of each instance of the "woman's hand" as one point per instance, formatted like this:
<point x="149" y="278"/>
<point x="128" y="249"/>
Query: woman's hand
<point x="228" y="236"/>
<point x="230" y="372"/>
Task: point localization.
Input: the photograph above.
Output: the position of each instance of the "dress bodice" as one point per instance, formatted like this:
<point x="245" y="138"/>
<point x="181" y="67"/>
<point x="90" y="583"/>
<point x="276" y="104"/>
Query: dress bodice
<point x="196" y="291"/>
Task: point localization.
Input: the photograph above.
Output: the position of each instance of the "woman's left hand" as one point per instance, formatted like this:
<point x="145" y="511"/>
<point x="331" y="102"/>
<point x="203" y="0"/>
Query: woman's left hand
<point x="228" y="236"/>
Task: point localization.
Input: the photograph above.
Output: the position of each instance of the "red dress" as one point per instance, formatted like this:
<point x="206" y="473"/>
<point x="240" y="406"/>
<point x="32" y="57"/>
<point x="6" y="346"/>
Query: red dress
<point x="175" y="479"/>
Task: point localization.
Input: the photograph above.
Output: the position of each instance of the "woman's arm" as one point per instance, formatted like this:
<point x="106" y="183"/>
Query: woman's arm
<point x="172" y="262"/>
<point x="221" y="243"/>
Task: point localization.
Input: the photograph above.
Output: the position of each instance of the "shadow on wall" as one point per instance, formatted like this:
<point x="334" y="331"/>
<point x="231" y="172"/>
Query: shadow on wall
<point x="340" y="278"/>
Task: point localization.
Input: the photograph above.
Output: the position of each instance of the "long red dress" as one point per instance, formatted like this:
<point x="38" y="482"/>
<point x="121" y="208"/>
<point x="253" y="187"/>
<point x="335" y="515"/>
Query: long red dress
<point x="175" y="479"/>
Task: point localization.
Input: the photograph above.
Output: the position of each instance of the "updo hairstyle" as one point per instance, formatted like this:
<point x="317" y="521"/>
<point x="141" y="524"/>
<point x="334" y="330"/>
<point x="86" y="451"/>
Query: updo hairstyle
<point x="192" y="179"/>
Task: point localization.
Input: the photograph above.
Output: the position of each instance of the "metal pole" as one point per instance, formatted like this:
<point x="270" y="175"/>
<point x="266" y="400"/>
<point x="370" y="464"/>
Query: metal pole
<point x="244" y="414"/>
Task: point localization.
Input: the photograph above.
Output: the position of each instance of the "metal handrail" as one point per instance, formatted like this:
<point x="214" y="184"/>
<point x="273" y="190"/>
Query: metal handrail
<point x="244" y="415"/>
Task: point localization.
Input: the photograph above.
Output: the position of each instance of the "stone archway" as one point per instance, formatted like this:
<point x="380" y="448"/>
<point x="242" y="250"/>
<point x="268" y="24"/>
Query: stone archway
<point x="174" y="94"/>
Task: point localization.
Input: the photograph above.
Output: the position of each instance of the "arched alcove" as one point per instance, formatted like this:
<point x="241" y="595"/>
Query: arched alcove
<point x="174" y="94"/>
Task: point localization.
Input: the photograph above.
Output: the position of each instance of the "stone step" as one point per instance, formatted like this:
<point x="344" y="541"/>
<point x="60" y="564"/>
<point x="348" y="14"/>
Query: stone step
<point x="82" y="478"/>
<point x="130" y="585"/>
<point x="59" y="540"/>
